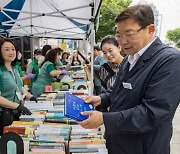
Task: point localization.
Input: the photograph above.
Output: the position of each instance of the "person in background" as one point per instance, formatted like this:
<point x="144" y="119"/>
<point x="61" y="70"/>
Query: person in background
<point x="75" y="59"/>
<point x="98" y="61"/>
<point x="33" y="67"/>
<point x="18" y="63"/>
<point x="11" y="86"/>
<point x="146" y="92"/>
<point x="19" y="67"/>
<point x="64" y="59"/>
<point x="109" y="70"/>
<point x="46" y="73"/>
<point x="45" y="49"/>
<point x="60" y="52"/>
<point x="44" y="52"/>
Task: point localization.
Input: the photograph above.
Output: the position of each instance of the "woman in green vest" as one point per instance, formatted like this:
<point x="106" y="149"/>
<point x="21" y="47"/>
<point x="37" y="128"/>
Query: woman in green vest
<point x="47" y="72"/>
<point x="11" y="86"/>
<point x="33" y="67"/>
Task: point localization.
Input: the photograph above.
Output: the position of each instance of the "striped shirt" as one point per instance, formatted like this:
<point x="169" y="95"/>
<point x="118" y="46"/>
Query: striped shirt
<point x="108" y="77"/>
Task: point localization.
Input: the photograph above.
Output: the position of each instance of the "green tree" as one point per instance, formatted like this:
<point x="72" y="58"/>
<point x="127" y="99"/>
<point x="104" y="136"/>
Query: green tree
<point x="108" y="11"/>
<point x="174" y="35"/>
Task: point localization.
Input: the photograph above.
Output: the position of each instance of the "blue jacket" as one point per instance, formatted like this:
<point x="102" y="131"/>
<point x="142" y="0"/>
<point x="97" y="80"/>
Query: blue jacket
<point x="143" y="102"/>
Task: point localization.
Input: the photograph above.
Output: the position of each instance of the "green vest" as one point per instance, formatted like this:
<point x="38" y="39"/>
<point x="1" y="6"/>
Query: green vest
<point x="10" y="83"/>
<point x="18" y="66"/>
<point x="35" y="70"/>
<point x="44" y="79"/>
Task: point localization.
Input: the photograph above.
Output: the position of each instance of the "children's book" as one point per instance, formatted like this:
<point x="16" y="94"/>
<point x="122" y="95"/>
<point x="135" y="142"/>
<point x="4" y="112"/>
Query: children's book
<point x="75" y="105"/>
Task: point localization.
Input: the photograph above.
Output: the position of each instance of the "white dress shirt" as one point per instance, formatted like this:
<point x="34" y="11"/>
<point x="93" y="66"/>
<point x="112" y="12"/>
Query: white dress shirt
<point x="132" y="59"/>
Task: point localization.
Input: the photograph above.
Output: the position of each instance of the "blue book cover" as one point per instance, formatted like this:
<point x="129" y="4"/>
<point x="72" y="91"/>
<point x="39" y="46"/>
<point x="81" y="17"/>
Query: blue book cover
<point x="74" y="106"/>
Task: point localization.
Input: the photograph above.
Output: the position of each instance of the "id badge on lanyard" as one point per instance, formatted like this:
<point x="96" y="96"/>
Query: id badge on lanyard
<point x="18" y="93"/>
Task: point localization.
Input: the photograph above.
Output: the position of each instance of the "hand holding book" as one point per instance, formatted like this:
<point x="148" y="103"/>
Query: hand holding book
<point x="96" y="100"/>
<point x="75" y="105"/>
<point x="94" y="121"/>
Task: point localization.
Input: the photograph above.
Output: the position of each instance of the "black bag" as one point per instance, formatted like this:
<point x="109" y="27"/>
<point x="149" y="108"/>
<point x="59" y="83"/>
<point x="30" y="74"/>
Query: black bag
<point x="6" y="119"/>
<point x="6" y="116"/>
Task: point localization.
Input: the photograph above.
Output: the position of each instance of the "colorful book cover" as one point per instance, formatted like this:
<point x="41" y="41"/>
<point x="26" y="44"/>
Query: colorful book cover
<point x="64" y="121"/>
<point x="32" y="123"/>
<point x="49" y="151"/>
<point x="74" y="106"/>
<point x="18" y="130"/>
<point x="55" y="115"/>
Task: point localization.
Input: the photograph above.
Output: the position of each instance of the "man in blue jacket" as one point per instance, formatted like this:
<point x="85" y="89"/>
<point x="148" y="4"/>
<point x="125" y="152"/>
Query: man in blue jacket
<point x="98" y="61"/>
<point x="146" y="93"/>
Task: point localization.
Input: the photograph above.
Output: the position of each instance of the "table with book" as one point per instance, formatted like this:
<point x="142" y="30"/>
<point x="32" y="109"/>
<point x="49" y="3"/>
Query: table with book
<point x="53" y="129"/>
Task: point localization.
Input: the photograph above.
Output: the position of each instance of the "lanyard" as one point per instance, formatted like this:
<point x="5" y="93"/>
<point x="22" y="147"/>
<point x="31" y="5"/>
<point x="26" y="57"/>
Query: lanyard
<point x="16" y="91"/>
<point x="15" y="79"/>
<point x="14" y="76"/>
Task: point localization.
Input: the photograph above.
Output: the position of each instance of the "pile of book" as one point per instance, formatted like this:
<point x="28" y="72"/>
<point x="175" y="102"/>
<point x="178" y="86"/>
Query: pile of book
<point x="42" y="105"/>
<point x="86" y="141"/>
<point x="56" y="117"/>
<point x="80" y="74"/>
<point x="48" y="130"/>
<point x="52" y="138"/>
<point x="37" y="116"/>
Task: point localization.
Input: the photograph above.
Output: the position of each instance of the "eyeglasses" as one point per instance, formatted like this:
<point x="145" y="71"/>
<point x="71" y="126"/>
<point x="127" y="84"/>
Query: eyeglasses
<point x="128" y="34"/>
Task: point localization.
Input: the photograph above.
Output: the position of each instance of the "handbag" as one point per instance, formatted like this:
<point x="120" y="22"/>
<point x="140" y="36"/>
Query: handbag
<point x="6" y="116"/>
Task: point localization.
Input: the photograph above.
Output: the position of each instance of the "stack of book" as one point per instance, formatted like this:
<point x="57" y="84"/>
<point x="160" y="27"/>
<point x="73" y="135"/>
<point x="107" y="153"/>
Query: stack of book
<point x="86" y="141"/>
<point x="50" y="131"/>
<point x="39" y="106"/>
<point x="56" y="117"/>
<point x="35" y="116"/>
<point x="46" y="146"/>
<point x="50" y="138"/>
<point x="53" y="131"/>
<point x="80" y="74"/>
<point x="23" y="131"/>
<point x="58" y="102"/>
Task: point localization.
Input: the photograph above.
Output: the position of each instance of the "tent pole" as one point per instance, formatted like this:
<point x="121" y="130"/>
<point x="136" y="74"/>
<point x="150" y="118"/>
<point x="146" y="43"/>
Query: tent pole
<point x="92" y="40"/>
<point x="31" y="38"/>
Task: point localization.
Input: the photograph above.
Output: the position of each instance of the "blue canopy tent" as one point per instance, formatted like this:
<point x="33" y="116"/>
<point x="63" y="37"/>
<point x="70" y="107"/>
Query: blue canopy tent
<point x="48" y="18"/>
<point x="67" y="19"/>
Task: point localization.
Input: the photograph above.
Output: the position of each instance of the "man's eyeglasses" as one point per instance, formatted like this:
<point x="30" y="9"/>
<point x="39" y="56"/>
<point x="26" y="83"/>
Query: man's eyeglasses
<point x="128" y="34"/>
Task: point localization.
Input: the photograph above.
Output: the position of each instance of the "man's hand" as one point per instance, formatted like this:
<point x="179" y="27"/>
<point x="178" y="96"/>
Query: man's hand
<point x="96" y="100"/>
<point x="94" y="121"/>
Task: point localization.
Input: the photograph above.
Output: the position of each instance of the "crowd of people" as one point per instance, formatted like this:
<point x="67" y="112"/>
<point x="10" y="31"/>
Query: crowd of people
<point x="46" y="64"/>
<point x="136" y="94"/>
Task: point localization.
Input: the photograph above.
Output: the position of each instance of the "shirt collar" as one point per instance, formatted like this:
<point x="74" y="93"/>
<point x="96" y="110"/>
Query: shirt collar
<point x="135" y="57"/>
<point x="3" y="68"/>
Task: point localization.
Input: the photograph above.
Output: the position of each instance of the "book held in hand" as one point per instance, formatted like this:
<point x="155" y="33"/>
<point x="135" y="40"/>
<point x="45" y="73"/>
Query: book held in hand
<point x="74" y="106"/>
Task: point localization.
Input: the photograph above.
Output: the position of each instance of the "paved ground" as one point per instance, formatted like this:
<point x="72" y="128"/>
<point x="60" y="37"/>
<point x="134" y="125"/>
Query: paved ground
<point x="175" y="141"/>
